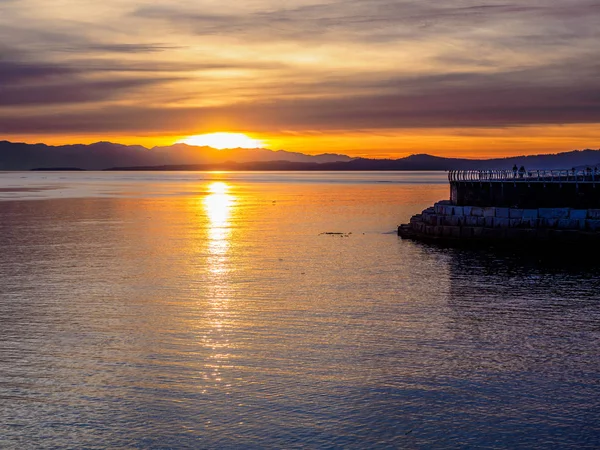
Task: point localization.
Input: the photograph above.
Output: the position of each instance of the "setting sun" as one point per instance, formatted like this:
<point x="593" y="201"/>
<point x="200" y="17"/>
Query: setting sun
<point x="221" y="141"/>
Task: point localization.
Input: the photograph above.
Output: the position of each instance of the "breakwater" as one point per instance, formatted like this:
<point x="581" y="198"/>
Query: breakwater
<point x="506" y="206"/>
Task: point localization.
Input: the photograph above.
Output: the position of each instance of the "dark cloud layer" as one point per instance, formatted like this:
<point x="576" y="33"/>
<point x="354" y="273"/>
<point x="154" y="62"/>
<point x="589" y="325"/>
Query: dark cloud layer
<point x="75" y="91"/>
<point x="17" y="72"/>
<point x="438" y="102"/>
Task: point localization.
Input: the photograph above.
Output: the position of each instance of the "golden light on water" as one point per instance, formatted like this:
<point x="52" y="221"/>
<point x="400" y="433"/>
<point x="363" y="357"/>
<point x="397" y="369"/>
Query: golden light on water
<point x="218" y="187"/>
<point x="218" y="205"/>
<point x="221" y="141"/>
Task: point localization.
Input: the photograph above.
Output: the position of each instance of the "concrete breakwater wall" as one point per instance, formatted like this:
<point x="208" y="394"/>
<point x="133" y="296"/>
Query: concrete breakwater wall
<point x="521" y="194"/>
<point x="447" y="221"/>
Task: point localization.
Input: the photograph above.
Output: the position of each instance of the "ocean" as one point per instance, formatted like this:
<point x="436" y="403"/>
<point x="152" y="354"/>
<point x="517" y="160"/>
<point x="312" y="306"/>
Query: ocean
<point x="170" y="310"/>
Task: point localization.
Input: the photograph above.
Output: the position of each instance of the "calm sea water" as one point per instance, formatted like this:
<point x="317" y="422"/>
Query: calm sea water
<point x="212" y="310"/>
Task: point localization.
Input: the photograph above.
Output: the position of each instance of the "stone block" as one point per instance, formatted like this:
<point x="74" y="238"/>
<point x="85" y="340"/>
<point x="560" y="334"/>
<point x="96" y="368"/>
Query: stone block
<point x="477" y="211"/>
<point x="488" y="222"/>
<point x="438" y="230"/>
<point x="455" y="232"/>
<point x="548" y="223"/>
<point x="453" y="221"/>
<point x="515" y="223"/>
<point x="477" y="232"/>
<point x="515" y="213"/>
<point x="481" y="221"/>
<point x="554" y="213"/>
<point x="458" y="211"/>
<point x="530" y="213"/>
<point x="471" y="221"/>
<point x="489" y="212"/>
<point x="502" y="212"/>
<point x="467" y="210"/>
<point x="568" y="224"/>
<point x="501" y="222"/>
<point x="582" y="224"/>
<point x="447" y="231"/>
<point x="438" y="208"/>
<point x="578" y="214"/>
<point x="593" y="225"/>
<point x="593" y="214"/>
<point x="531" y="222"/>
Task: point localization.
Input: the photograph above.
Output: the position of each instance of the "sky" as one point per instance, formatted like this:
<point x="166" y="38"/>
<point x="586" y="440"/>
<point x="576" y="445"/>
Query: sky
<point x="375" y="78"/>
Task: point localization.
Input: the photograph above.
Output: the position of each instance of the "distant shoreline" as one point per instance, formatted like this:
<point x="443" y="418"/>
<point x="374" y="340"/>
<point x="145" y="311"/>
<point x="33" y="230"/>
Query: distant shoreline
<point x="181" y="157"/>
<point x="58" y="169"/>
<point x="279" y="166"/>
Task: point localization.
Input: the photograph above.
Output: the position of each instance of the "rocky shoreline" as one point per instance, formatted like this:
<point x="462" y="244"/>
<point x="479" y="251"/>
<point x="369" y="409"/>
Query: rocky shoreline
<point x="447" y="222"/>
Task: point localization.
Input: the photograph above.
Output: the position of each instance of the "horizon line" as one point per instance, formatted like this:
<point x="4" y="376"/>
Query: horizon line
<point x="295" y="152"/>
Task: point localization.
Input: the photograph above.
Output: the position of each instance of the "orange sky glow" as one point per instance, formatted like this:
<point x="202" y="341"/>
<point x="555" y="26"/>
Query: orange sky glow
<point x="380" y="79"/>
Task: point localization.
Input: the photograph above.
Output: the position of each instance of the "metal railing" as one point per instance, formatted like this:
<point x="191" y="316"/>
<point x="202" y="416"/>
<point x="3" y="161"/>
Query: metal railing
<point x="528" y="176"/>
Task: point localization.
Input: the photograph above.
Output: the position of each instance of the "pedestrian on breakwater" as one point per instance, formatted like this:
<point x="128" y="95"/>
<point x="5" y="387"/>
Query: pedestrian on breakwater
<point x="521" y="171"/>
<point x="515" y="171"/>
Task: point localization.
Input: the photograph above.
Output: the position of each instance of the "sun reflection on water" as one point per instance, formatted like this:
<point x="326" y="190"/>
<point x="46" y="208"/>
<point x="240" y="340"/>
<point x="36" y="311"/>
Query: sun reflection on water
<point x="218" y="206"/>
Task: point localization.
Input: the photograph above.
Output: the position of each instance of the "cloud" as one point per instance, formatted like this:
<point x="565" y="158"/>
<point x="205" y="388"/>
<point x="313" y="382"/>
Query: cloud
<point x="18" y="72"/>
<point x="119" y="48"/>
<point x="458" y="100"/>
<point x="146" y="67"/>
<point x="375" y="20"/>
<point x="72" y="92"/>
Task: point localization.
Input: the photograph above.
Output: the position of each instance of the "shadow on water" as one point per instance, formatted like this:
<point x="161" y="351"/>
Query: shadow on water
<point x="520" y="356"/>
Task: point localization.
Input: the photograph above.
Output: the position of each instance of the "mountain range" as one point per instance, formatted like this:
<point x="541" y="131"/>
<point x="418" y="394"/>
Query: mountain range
<point x="102" y="155"/>
<point x="107" y="155"/>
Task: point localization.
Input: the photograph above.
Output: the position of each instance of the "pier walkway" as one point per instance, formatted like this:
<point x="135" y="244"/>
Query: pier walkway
<point x="529" y="176"/>
<point x="574" y="188"/>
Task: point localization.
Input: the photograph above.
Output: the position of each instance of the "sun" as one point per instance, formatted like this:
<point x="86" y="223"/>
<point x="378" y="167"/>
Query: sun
<point x="223" y="140"/>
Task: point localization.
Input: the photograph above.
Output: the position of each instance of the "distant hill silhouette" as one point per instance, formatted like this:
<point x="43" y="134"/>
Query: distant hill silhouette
<point x="106" y="155"/>
<point x="414" y="162"/>
<point x="101" y="155"/>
